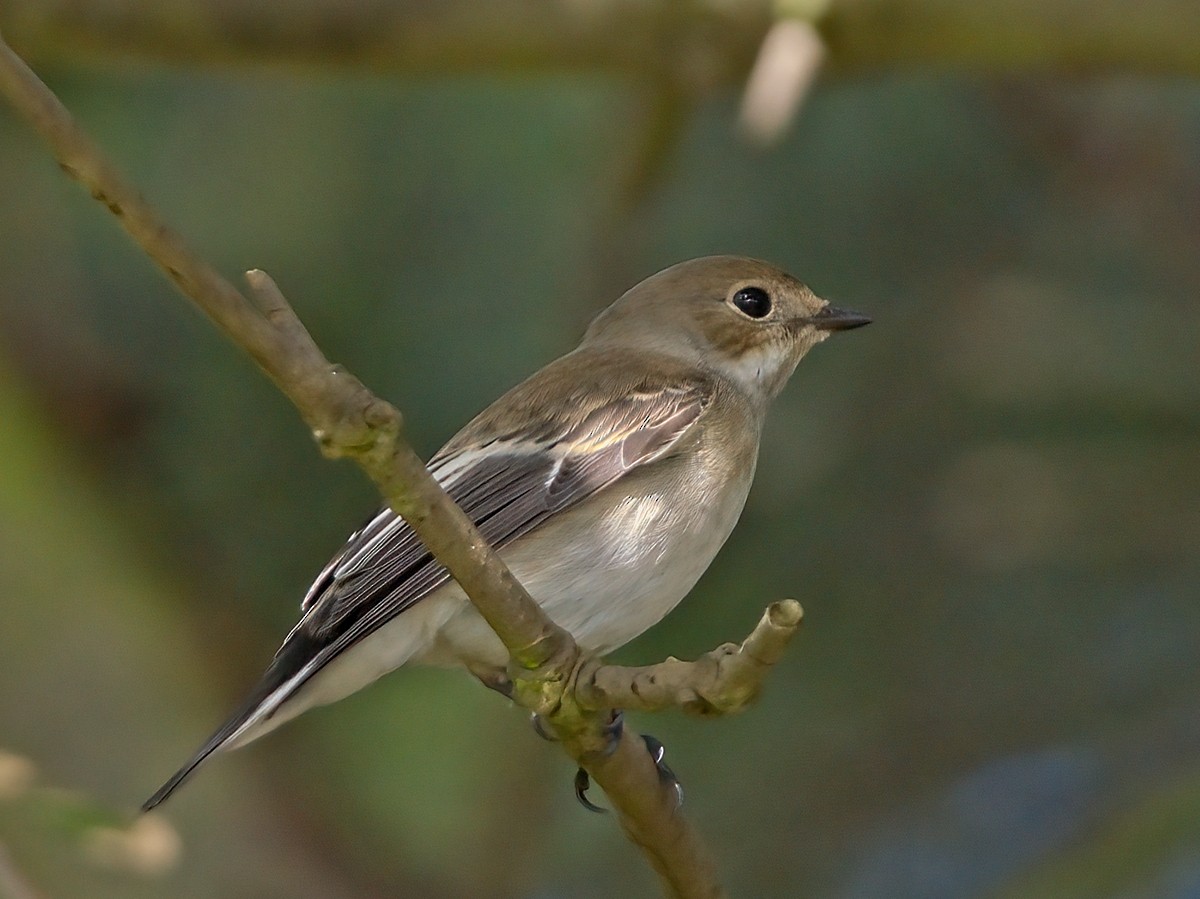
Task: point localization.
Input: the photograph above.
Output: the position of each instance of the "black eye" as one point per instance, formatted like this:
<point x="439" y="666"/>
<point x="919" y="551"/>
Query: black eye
<point x="753" y="301"/>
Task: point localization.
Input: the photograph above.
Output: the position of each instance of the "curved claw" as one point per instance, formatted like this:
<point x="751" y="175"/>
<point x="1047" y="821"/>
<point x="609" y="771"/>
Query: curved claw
<point x="539" y="728"/>
<point x="665" y="774"/>
<point x="656" y="749"/>
<point x="613" y="729"/>
<point x="657" y="754"/>
<point x="582" y="783"/>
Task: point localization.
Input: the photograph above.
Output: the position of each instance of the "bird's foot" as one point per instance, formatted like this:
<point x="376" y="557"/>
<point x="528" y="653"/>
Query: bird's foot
<point x="612" y="730"/>
<point x="657" y="754"/>
<point x="494" y="679"/>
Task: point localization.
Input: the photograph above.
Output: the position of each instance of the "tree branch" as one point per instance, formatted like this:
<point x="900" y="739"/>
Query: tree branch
<point x="348" y="420"/>
<point x="702" y="44"/>
<point x="721" y="682"/>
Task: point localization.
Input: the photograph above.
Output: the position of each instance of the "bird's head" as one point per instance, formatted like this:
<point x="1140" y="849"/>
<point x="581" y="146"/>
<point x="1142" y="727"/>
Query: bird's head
<point x="737" y="317"/>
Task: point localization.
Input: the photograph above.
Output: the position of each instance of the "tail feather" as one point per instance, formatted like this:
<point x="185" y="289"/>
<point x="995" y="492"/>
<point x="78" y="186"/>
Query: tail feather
<point x="213" y="744"/>
<point x="277" y="685"/>
<point x="181" y="775"/>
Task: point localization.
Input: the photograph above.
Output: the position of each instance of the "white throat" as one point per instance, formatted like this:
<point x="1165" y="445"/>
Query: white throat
<point x="762" y="371"/>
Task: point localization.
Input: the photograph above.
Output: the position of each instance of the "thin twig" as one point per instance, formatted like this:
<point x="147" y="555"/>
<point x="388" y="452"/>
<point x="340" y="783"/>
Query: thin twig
<point x="345" y="417"/>
<point x="721" y="682"/>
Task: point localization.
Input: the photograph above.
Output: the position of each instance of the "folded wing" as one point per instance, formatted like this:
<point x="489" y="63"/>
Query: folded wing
<point x="507" y="484"/>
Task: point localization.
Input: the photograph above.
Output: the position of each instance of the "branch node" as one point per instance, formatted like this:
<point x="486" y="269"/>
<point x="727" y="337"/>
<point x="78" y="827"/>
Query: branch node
<point x="382" y="415"/>
<point x="328" y="446"/>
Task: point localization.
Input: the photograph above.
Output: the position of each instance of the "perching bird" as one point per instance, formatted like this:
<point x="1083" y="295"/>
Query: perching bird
<point x="608" y="481"/>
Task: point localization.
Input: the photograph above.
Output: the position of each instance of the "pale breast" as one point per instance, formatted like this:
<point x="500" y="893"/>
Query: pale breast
<point x="613" y="567"/>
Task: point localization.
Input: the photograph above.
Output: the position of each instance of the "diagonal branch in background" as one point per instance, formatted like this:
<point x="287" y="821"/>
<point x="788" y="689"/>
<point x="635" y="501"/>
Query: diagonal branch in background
<point x="549" y="675"/>
<point x="706" y="45"/>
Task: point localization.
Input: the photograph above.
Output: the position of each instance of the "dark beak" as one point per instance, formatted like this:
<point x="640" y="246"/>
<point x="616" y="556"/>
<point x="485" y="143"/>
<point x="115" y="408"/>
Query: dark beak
<point x="833" y="319"/>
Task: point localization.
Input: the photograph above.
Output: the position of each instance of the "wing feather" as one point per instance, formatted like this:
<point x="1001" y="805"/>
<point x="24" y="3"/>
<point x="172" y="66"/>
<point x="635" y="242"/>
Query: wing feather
<point x="507" y="488"/>
<point x="507" y="483"/>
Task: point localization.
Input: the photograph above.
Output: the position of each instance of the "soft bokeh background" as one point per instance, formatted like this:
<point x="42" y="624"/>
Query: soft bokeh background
<point x="988" y="501"/>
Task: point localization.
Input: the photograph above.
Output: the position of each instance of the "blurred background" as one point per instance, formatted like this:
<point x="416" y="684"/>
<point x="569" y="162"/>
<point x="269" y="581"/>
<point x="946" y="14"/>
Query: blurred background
<point x="988" y="501"/>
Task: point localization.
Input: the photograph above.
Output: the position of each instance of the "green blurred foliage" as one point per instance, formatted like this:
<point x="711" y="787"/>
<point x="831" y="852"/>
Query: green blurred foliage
<point x="988" y="502"/>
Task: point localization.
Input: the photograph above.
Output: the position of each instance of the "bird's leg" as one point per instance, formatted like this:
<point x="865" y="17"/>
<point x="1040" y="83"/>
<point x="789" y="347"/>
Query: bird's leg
<point x="494" y="679"/>
<point x="612" y="733"/>
<point x="498" y="680"/>
<point x="657" y="753"/>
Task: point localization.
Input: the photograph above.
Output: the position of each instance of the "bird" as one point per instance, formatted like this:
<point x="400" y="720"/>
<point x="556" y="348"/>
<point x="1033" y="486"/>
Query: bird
<point x="607" y="481"/>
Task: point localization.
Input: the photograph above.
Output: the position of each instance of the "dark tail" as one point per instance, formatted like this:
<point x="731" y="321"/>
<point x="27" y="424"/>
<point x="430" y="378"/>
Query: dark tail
<point x="292" y="656"/>
<point x="182" y="774"/>
<point x="215" y="742"/>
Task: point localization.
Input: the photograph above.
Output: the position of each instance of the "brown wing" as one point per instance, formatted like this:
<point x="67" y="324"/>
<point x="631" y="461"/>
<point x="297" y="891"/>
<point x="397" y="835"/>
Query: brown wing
<point x="508" y="486"/>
